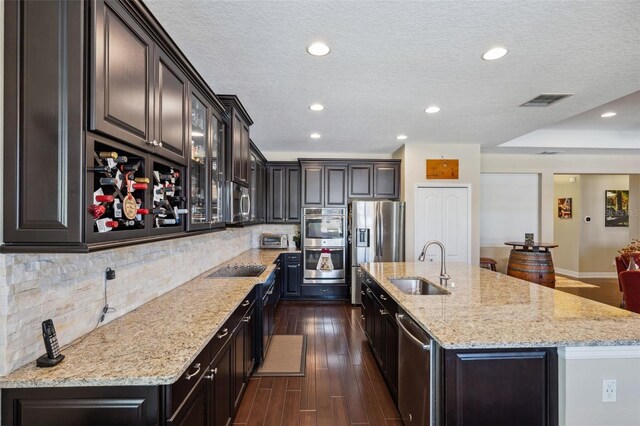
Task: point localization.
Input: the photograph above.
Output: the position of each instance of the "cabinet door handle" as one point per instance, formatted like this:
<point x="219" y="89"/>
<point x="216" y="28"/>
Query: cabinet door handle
<point x="383" y="312"/>
<point x="368" y="281"/>
<point x="188" y="376"/>
<point x="383" y="297"/>
<point x="246" y="303"/>
<point x="362" y="292"/>
<point x="213" y="372"/>
<point x="223" y="334"/>
<point x="246" y="319"/>
<point x="324" y="290"/>
<point x="362" y="316"/>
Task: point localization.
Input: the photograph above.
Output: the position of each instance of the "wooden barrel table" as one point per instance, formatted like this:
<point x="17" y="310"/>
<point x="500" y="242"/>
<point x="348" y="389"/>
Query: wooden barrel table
<point x="532" y="262"/>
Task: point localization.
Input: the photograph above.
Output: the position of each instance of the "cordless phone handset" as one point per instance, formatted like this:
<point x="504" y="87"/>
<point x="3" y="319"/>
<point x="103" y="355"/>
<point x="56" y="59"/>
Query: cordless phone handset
<point x="50" y="339"/>
<point x="53" y="355"/>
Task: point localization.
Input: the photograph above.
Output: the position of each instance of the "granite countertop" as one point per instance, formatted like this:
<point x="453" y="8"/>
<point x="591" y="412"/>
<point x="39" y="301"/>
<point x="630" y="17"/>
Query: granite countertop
<point x="155" y="343"/>
<point x="491" y="310"/>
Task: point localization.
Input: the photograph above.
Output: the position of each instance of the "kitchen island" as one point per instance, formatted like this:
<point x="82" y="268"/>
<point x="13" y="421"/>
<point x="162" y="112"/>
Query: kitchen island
<point x="501" y="345"/>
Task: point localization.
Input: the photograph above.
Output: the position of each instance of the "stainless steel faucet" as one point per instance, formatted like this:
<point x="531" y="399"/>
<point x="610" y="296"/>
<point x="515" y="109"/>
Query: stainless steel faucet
<point x="443" y="265"/>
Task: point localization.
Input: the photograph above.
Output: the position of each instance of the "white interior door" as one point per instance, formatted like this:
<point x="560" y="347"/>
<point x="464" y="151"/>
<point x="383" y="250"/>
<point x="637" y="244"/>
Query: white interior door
<point x="442" y="213"/>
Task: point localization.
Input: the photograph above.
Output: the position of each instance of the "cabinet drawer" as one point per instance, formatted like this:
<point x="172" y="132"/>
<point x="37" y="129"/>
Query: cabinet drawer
<point x="241" y="311"/>
<point x="178" y="391"/>
<point x="292" y="257"/>
<point x="325" y="291"/>
<point x="389" y="304"/>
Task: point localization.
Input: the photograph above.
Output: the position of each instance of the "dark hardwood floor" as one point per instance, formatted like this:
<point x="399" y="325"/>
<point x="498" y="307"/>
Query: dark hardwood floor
<point x="607" y="290"/>
<point x="342" y="384"/>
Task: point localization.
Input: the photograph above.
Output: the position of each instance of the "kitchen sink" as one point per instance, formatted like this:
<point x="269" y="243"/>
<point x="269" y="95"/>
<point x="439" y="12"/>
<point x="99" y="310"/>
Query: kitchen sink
<point x="237" y="271"/>
<point x="418" y="286"/>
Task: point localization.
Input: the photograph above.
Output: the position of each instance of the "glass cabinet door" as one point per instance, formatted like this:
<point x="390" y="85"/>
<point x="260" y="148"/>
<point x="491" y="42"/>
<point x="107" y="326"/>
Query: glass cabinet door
<point x="217" y="132"/>
<point x="198" y="163"/>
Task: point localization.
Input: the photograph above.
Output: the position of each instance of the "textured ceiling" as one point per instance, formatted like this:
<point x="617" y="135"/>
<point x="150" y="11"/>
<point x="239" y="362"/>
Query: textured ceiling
<point x="391" y="59"/>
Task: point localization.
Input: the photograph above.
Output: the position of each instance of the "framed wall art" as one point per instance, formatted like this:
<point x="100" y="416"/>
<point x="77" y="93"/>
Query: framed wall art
<point x="565" y="210"/>
<point x="616" y="208"/>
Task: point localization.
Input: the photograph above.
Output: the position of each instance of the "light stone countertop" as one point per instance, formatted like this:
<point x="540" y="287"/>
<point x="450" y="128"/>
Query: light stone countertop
<point x="491" y="310"/>
<point x="155" y="343"/>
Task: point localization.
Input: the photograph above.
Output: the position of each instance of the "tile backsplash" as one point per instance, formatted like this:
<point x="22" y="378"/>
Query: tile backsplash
<point x="69" y="288"/>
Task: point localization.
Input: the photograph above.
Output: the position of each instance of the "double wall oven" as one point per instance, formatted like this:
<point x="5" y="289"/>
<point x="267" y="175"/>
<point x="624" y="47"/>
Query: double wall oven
<point x="324" y="229"/>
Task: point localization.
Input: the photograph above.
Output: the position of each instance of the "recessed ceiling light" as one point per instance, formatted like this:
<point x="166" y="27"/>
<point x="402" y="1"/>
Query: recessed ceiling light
<point x="315" y="135"/>
<point x="608" y="114"/>
<point x="316" y="107"/>
<point x="401" y="137"/>
<point x="495" y="53"/>
<point x="197" y="134"/>
<point x="432" y="110"/>
<point x="318" y="49"/>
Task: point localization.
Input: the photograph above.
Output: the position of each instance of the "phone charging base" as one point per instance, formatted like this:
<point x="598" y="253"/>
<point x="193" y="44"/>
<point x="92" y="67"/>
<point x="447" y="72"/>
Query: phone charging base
<point x="45" y="361"/>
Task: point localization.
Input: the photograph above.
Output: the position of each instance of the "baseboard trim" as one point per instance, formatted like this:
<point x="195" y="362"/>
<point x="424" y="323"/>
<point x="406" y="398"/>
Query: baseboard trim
<point x="576" y="274"/>
<point x="599" y="352"/>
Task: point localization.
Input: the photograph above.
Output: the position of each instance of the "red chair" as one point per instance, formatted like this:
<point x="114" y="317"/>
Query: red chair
<point x="630" y="281"/>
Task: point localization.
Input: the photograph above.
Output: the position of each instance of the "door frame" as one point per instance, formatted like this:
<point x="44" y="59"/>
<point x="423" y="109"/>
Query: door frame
<point x="469" y="207"/>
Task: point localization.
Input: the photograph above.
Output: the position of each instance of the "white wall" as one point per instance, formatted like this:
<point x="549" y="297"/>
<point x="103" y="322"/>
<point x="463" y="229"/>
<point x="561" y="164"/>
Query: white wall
<point x="580" y="375"/>
<point x="547" y="166"/>
<point x="566" y="232"/>
<point x="599" y="244"/>
<point x="414" y="156"/>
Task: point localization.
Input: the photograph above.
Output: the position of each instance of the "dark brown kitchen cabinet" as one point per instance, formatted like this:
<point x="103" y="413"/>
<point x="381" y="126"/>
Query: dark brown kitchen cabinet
<point x="171" y="108"/>
<point x="379" y="179"/>
<point x="283" y="192"/>
<point x="195" y="411"/>
<point x="238" y="143"/>
<point x="381" y="330"/>
<point x="324" y="184"/>
<point x="501" y="387"/>
<point x="139" y="94"/>
<point x="290" y="276"/>
<point x="257" y="186"/>
<point x="243" y="354"/>
<point x="43" y="122"/>
<point x="222" y="387"/>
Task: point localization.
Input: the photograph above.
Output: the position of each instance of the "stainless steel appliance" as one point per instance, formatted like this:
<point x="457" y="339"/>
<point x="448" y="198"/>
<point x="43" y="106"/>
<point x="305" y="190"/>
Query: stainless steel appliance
<point x="310" y="259"/>
<point x="324" y="228"/>
<point x="238" y="203"/>
<point x="414" y="373"/>
<point x="279" y="241"/>
<point x="377" y="235"/>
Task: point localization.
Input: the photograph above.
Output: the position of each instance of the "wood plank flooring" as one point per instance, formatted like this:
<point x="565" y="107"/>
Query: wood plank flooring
<point x="342" y="384"/>
<point x="607" y="290"/>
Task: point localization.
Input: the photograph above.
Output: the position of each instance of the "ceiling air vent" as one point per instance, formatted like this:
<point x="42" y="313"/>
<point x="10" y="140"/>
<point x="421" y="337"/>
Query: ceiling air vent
<point x="545" y="100"/>
<point x="549" y="152"/>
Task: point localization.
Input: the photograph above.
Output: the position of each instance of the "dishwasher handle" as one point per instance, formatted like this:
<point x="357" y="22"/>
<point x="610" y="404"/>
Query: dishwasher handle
<point x="425" y="346"/>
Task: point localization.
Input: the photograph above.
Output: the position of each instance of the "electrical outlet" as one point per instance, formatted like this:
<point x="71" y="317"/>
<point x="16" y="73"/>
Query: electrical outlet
<point x="608" y="390"/>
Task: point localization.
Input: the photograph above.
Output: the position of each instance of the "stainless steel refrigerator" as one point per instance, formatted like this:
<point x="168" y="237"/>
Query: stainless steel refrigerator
<point x="377" y="235"/>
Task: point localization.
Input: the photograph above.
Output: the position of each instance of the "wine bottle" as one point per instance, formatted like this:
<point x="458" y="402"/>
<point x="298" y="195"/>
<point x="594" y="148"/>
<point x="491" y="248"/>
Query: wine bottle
<point x="100" y="169"/>
<point x="121" y="159"/>
<point x="129" y="167"/>
<point x="127" y="223"/>
<point x="142" y="211"/>
<point x="158" y="211"/>
<point x="167" y="221"/>
<point x="108" y="181"/>
<point x="111" y="224"/>
<point x="141" y="179"/>
<point x="169" y="176"/>
<point x="139" y="186"/>
<point x="180" y="211"/>
<point x="104" y="198"/>
<point x="108" y="154"/>
<point x="96" y="211"/>
<point x="176" y="199"/>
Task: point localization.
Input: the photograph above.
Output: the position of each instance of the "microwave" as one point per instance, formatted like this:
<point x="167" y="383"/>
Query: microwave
<point x="279" y="241"/>
<point x="238" y="203"/>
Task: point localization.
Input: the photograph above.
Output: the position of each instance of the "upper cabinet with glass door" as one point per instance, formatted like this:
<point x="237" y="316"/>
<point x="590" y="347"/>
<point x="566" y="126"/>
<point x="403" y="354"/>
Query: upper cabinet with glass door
<point x="198" y="215"/>
<point x="216" y="175"/>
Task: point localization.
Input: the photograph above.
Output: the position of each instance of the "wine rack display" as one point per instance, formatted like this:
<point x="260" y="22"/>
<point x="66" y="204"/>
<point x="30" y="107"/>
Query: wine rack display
<point x="119" y="190"/>
<point x="169" y="201"/>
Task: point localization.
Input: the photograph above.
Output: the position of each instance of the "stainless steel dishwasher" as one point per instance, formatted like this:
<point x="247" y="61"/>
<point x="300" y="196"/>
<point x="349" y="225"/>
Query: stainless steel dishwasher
<point x="414" y="373"/>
